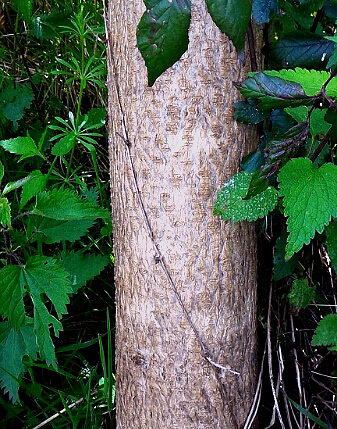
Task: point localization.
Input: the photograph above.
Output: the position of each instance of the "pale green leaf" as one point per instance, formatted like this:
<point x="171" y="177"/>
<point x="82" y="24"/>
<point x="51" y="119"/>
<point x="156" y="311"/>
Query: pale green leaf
<point x="82" y="267"/>
<point x="301" y="294"/>
<point x="64" y="204"/>
<point x="24" y="146"/>
<point x="14" y="345"/>
<point x="231" y="205"/>
<point x="5" y="212"/>
<point x="300" y="113"/>
<point x="15" y="185"/>
<point x="11" y="295"/>
<point x="326" y="331"/>
<point x="310" y="199"/>
<point x="35" y="184"/>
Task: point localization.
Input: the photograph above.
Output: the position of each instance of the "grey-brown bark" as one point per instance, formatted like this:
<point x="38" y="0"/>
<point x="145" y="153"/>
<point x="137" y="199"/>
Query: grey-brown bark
<point x="184" y="144"/>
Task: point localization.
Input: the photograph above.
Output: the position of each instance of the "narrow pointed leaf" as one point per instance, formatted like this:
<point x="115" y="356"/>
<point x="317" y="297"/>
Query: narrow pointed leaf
<point x="162" y="34"/>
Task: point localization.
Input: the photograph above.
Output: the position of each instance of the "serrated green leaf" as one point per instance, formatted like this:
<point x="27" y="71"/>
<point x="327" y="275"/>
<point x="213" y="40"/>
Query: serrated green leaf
<point x="82" y="267"/>
<point x="331" y="243"/>
<point x="5" y="212"/>
<point x="283" y="268"/>
<point x="310" y="199"/>
<point x="247" y="114"/>
<point x="231" y="205"/>
<point x="317" y="123"/>
<point x="13" y="102"/>
<point x="301" y="294"/>
<point x="64" y="204"/>
<point x="43" y="277"/>
<point x="63" y="230"/>
<point x="262" y="9"/>
<point x="14" y="345"/>
<point x="303" y="49"/>
<point x="35" y="184"/>
<point x="300" y="113"/>
<point x="273" y="92"/>
<point x="232" y="18"/>
<point x="65" y="144"/>
<point x="326" y="331"/>
<point x="24" y="146"/>
<point x="311" y="81"/>
<point x="162" y="34"/>
<point x="11" y="296"/>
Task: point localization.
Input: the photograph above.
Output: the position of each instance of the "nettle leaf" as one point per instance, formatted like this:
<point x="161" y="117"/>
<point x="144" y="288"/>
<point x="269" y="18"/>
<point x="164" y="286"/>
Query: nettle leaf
<point x="13" y="102"/>
<point x="24" y="146"/>
<point x="301" y="294"/>
<point x="15" y="344"/>
<point x="35" y="184"/>
<point x="64" y="204"/>
<point x="331" y="243"/>
<point x="5" y="212"/>
<point x="262" y="9"/>
<point x="273" y="92"/>
<point x="232" y="18"/>
<point x="283" y="268"/>
<point x="231" y="205"/>
<point x="63" y="230"/>
<point x="162" y="34"/>
<point x="43" y="277"/>
<point x="11" y="295"/>
<point x="326" y="331"/>
<point x="311" y="81"/>
<point x="82" y="267"/>
<point x="303" y="49"/>
<point x="310" y="199"/>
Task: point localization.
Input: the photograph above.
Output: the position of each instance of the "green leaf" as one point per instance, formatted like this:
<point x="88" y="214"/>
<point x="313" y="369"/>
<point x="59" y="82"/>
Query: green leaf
<point x="162" y="34"/>
<point x="82" y="267"/>
<point x="310" y="199"/>
<point x="303" y="49"/>
<point x="301" y="294"/>
<point x="49" y="26"/>
<point x="232" y="18"/>
<point x="14" y="345"/>
<point x="309" y="415"/>
<point x="2" y="171"/>
<point x="262" y="9"/>
<point x="273" y="92"/>
<point x="331" y="243"/>
<point x="247" y="113"/>
<point x="13" y="102"/>
<point x="326" y="331"/>
<point x="64" y="204"/>
<point x="25" y="7"/>
<point x="282" y="268"/>
<point x="43" y="277"/>
<point x="35" y="184"/>
<point x="300" y="113"/>
<point x="317" y="123"/>
<point x="24" y="146"/>
<point x="65" y="144"/>
<point x="11" y="296"/>
<point x="231" y="205"/>
<point x="63" y="230"/>
<point x="5" y="212"/>
<point x="15" y="185"/>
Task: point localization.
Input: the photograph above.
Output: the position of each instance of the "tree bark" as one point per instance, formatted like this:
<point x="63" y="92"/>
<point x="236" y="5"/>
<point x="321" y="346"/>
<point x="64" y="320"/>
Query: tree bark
<point x="185" y="280"/>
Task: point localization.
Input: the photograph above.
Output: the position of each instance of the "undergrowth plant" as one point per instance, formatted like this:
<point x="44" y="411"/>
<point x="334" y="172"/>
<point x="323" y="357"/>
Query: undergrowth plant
<point x="54" y="211"/>
<point x="291" y="179"/>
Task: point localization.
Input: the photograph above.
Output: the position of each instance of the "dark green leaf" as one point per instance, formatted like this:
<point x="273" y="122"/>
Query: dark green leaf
<point x="13" y="102"/>
<point x="310" y="416"/>
<point x="273" y="92"/>
<point x="11" y="294"/>
<point x="64" y="145"/>
<point x="25" y="7"/>
<point x="247" y="113"/>
<point x="331" y="243"/>
<point x="232" y="17"/>
<point x="162" y="34"/>
<point x="262" y="9"/>
<point x="303" y="49"/>
<point x="283" y="268"/>
<point x="49" y="26"/>
<point x="301" y="294"/>
<point x="326" y="331"/>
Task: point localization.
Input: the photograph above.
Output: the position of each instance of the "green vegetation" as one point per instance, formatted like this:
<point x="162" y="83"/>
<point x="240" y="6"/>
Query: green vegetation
<point x="55" y="332"/>
<point x="289" y="182"/>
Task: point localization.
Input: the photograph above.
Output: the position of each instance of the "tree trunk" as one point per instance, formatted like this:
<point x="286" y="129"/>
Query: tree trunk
<point x="185" y="280"/>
